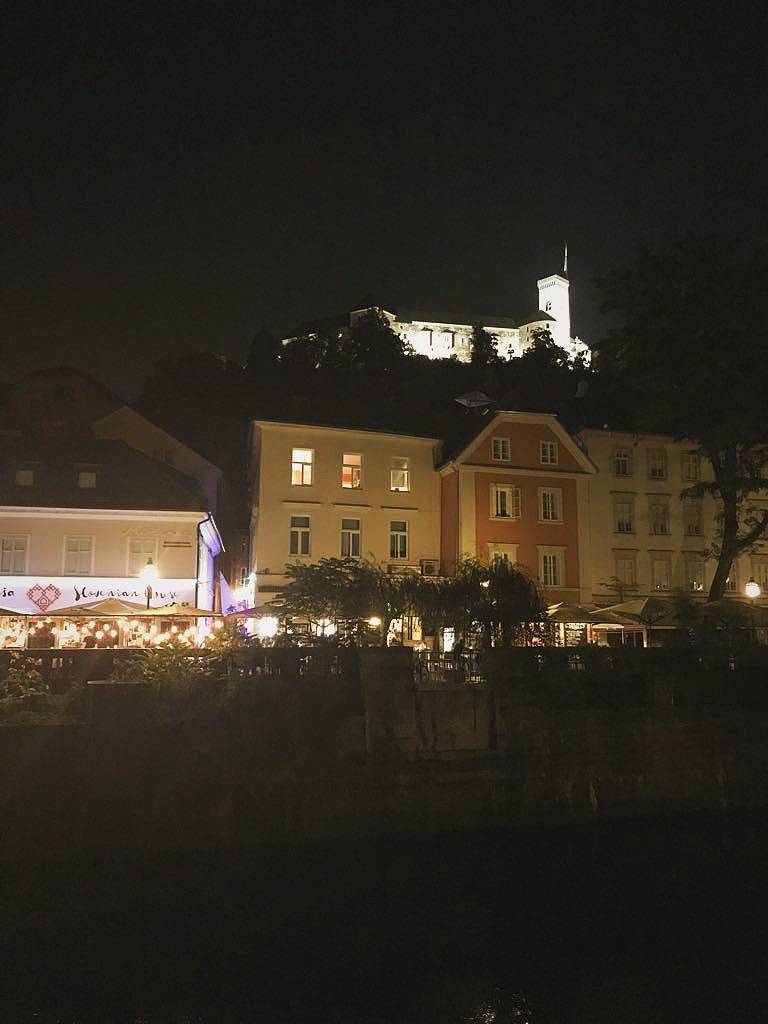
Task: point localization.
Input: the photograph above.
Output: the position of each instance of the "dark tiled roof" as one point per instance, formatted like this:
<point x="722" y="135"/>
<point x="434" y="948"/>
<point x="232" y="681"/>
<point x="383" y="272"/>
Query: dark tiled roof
<point x="125" y="478"/>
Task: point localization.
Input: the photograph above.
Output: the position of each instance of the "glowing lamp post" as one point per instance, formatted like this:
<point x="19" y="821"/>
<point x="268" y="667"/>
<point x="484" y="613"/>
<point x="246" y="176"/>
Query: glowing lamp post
<point x="752" y="590"/>
<point x="148" y="575"/>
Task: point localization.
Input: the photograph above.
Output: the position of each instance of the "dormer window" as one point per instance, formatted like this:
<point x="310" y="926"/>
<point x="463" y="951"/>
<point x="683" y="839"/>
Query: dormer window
<point x="86" y="478"/>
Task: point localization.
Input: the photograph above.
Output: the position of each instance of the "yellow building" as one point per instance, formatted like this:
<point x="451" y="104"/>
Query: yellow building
<point x="333" y="492"/>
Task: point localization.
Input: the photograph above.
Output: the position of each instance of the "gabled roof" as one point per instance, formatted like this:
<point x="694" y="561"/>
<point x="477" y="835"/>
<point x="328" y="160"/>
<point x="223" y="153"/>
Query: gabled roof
<point x="126" y="478"/>
<point x="489" y="423"/>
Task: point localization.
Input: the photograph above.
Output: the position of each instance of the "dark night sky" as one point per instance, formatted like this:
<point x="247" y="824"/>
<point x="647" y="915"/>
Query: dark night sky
<point x="177" y="177"/>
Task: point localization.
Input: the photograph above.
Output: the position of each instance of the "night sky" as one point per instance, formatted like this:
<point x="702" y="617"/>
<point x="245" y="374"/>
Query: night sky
<point x="178" y="176"/>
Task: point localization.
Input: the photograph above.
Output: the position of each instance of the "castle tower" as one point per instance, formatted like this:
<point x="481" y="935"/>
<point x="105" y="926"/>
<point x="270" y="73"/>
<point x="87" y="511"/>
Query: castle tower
<point x="553" y="299"/>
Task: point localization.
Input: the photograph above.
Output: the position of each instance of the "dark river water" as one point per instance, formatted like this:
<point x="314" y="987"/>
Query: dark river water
<point x="652" y="922"/>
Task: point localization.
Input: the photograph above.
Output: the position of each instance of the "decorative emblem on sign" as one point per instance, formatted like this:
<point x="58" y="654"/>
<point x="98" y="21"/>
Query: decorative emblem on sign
<point x="43" y="597"/>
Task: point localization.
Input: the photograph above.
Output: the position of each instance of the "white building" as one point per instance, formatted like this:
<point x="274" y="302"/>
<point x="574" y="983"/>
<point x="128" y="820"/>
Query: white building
<point x="80" y="519"/>
<point x="644" y="535"/>
<point x="441" y="335"/>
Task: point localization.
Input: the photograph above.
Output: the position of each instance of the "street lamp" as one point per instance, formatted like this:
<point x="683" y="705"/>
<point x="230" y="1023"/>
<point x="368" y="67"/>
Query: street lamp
<point x="148" y="575"/>
<point x="752" y="590"/>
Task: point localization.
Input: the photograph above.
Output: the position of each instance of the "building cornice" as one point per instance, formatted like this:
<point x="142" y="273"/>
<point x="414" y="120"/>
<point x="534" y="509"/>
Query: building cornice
<point x="108" y="514"/>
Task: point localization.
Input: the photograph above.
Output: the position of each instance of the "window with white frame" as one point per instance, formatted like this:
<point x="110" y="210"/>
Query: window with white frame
<point x="693" y="521"/>
<point x="661" y="572"/>
<point x="78" y="556"/>
<point x="501" y="449"/>
<point x="398" y="538"/>
<point x="550" y="505"/>
<point x="552" y="567"/>
<point x="352" y="470"/>
<point x="622" y="462"/>
<point x="506" y="553"/>
<point x="548" y="454"/>
<point x="658" y="516"/>
<point x="140" y="550"/>
<point x="505" y="502"/>
<point x="13" y="555"/>
<point x="690" y="466"/>
<point x="657" y="464"/>
<point x="626" y="567"/>
<point x="86" y="479"/>
<point x="299" y="535"/>
<point x="302" y="460"/>
<point x="24" y="477"/>
<point x="760" y="573"/>
<point x="400" y="474"/>
<point x="694" y="574"/>
<point x="350" y="538"/>
<point x="624" y="515"/>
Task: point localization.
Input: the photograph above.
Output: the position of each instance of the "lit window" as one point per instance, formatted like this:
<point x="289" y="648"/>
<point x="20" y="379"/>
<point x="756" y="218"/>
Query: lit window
<point x="25" y="477"/>
<point x="400" y="474"/>
<point x="626" y="569"/>
<point x="506" y="553"/>
<point x="625" y="516"/>
<point x="551" y="568"/>
<point x="550" y="505"/>
<point x="657" y="464"/>
<point x="301" y="466"/>
<point x="548" y="453"/>
<point x="622" y="462"/>
<point x="299" y="541"/>
<point x="86" y="478"/>
<point x="505" y="502"/>
<point x="13" y="555"/>
<point x="350" y="538"/>
<point x="658" y="517"/>
<point x="692" y="518"/>
<point x="140" y="550"/>
<point x="661" y="573"/>
<point x="501" y="449"/>
<point x="77" y="556"/>
<point x="398" y="539"/>
<point x="690" y="466"/>
<point x="694" y="570"/>
<point x="351" y="470"/>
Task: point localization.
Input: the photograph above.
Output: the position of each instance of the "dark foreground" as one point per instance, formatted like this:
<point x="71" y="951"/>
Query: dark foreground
<point x="647" y="922"/>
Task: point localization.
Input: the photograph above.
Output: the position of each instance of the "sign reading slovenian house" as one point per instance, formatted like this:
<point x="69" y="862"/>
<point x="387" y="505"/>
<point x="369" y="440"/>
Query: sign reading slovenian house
<point x="42" y="595"/>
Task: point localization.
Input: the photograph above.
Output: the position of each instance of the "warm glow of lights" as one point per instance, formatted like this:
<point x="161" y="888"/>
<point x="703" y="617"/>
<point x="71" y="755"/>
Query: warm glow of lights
<point x="174" y="629"/>
<point x="218" y="624"/>
<point x="149" y="572"/>
<point x="752" y="589"/>
<point x="485" y="583"/>
<point x="99" y="634"/>
<point x="266" y="627"/>
<point x="374" y="621"/>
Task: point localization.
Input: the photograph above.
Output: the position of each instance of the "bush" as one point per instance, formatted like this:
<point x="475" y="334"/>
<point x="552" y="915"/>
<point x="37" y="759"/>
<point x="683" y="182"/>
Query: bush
<point x="23" y="679"/>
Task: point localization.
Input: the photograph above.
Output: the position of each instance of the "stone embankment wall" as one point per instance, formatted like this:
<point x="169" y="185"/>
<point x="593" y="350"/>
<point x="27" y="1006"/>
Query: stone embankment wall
<point x="545" y="742"/>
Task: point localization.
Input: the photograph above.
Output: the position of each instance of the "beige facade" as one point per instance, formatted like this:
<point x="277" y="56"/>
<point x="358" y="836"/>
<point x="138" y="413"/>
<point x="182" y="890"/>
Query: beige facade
<point x="643" y="534"/>
<point x="85" y="554"/>
<point x="328" y="492"/>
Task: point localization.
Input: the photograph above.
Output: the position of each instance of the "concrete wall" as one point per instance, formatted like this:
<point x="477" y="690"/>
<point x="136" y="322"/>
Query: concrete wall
<point x="296" y="762"/>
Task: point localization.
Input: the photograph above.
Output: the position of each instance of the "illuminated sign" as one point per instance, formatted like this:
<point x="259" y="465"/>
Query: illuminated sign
<point x="38" y="595"/>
